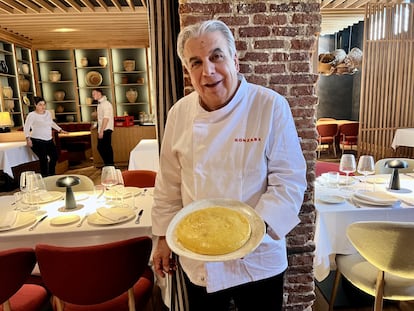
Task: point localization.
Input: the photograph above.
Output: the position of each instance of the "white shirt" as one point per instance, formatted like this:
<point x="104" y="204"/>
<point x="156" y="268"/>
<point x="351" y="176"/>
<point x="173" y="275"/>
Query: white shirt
<point x="40" y="125"/>
<point x="248" y="151"/>
<point x="105" y="110"/>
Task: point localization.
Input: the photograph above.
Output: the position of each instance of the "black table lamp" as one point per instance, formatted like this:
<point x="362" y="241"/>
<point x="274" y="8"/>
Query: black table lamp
<point x="395" y="178"/>
<point x="68" y="182"/>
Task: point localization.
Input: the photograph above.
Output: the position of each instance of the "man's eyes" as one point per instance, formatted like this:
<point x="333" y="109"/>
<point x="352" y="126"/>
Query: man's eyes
<point x="217" y="57"/>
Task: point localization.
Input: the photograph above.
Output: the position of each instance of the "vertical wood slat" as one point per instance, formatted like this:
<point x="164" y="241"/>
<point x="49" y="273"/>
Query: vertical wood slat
<point x="387" y="83"/>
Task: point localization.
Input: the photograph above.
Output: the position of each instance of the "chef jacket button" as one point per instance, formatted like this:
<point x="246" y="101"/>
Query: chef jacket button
<point x="202" y="278"/>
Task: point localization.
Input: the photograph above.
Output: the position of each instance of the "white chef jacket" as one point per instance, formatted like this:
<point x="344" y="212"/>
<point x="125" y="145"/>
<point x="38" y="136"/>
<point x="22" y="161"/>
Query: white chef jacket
<point x="247" y="150"/>
<point x="105" y="110"/>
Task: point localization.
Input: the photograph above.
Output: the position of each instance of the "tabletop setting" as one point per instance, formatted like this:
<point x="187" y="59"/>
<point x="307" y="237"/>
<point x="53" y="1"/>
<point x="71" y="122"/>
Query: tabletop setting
<point x="105" y="213"/>
<point x="341" y="199"/>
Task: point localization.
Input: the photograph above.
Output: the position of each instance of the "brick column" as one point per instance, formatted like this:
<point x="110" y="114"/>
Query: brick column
<point x="276" y="41"/>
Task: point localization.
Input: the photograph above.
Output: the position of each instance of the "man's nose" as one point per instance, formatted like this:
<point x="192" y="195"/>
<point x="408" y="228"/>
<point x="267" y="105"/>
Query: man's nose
<point x="208" y="68"/>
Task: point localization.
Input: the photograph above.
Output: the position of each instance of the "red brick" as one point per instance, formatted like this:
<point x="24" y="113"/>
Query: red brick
<point x="265" y="19"/>
<point x="285" y="31"/>
<point x="270" y="68"/>
<point x="259" y="31"/>
<point x="269" y="44"/>
<point x="235" y="20"/>
<point x="256" y="57"/>
<point x="204" y="8"/>
<point x="251" y="8"/>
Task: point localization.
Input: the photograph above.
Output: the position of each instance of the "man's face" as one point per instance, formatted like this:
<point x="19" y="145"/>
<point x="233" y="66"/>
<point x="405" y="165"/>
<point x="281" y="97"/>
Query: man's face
<point x="96" y="95"/>
<point x="212" y="69"/>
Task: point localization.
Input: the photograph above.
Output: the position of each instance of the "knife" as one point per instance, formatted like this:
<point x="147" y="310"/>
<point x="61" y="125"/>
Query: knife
<point x="38" y="222"/>
<point x="139" y="216"/>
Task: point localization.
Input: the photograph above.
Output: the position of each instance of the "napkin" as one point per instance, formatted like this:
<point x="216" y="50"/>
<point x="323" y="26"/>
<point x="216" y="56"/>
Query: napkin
<point x="7" y="222"/>
<point x="111" y="214"/>
<point x="377" y="197"/>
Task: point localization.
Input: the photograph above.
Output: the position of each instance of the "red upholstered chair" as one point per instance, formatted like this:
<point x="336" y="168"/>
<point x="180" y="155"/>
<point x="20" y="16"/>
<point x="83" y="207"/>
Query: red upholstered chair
<point x="113" y="276"/>
<point x="325" y="167"/>
<point x="15" y="268"/>
<point x="348" y="135"/>
<point x="139" y="178"/>
<point x="326" y="136"/>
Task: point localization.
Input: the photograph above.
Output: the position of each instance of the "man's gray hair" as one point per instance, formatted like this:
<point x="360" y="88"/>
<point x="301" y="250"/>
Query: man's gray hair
<point x="196" y="30"/>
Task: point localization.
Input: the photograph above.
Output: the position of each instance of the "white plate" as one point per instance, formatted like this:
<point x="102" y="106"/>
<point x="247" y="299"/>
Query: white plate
<point x="342" y="180"/>
<point x="97" y="219"/>
<point x="377" y="197"/>
<point x="127" y="192"/>
<point x="64" y="220"/>
<point x="49" y="196"/>
<point x="377" y="180"/>
<point x="370" y="203"/>
<point x="331" y="199"/>
<point x="256" y="223"/>
<point x="23" y="219"/>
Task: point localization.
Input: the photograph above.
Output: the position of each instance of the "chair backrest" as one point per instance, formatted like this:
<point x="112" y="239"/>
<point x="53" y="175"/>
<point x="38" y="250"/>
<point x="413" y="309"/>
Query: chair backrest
<point x="385" y="244"/>
<point x="139" y="178"/>
<point x="93" y="274"/>
<point x="86" y="184"/>
<point x="15" y="268"/>
<point x="325" y="167"/>
<point x="327" y="130"/>
<point x="349" y="129"/>
<point x="381" y="169"/>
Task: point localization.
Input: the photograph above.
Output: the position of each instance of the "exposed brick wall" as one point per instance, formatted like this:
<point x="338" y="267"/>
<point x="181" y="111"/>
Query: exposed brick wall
<point x="276" y="41"/>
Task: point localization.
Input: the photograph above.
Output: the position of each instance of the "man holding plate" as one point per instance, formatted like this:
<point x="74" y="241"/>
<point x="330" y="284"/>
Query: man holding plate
<point x="234" y="140"/>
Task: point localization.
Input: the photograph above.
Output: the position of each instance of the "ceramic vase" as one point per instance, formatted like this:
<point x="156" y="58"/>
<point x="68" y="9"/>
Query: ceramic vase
<point x="59" y="95"/>
<point x="7" y="92"/>
<point x="25" y="69"/>
<point x="60" y="109"/>
<point x="129" y="64"/>
<point x="84" y="62"/>
<point x="132" y="95"/>
<point x="24" y="85"/>
<point x="55" y="76"/>
<point x="103" y="61"/>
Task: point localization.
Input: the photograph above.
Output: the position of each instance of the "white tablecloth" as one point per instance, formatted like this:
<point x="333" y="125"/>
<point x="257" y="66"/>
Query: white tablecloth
<point x="333" y="219"/>
<point x="13" y="154"/>
<point x="71" y="235"/>
<point x="144" y="156"/>
<point x="403" y="137"/>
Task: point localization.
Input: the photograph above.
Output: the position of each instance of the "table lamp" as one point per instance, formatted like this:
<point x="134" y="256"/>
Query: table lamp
<point x="395" y="178"/>
<point x="5" y="122"/>
<point x="68" y="182"/>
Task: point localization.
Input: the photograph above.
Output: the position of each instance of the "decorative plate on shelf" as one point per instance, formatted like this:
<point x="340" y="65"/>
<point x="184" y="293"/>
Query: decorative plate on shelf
<point x="26" y="100"/>
<point x="93" y="78"/>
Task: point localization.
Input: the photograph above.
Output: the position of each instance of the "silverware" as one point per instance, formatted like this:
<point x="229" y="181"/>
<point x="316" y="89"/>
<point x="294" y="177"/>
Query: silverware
<point x="353" y="202"/>
<point x="37" y="222"/>
<point x="139" y="216"/>
<point x="145" y="191"/>
<point x="82" y="221"/>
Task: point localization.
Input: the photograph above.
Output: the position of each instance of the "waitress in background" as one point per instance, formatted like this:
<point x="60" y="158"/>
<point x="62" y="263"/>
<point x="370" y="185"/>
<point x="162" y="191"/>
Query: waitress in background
<point x="38" y="132"/>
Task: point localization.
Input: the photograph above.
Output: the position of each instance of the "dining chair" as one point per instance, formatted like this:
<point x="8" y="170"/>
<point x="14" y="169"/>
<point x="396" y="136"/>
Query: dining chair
<point x="86" y="184"/>
<point x="325" y="167"/>
<point x="380" y="167"/>
<point x="15" y="268"/>
<point x="139" y="178"/>
<point x="384" y="264"/>
<point x="327" y="134"/>
<point x="348" y="135"/>
<point x="326" y="119"/>
<point x="112" y="276"/>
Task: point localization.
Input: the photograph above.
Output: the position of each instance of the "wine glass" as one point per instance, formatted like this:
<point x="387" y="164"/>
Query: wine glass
<point x="347" y="165"/>
<point x="366" y="166"/>
<point x="119" y="188"/>
<point x="108" y="177"/>
<point x="28" y="185"/>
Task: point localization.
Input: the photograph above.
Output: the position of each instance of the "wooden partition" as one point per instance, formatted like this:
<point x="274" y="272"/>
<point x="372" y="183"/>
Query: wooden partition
<point x="387" y="86"/>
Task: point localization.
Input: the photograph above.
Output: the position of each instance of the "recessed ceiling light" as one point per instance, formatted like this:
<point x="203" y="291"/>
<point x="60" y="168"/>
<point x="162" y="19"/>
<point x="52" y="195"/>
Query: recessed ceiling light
<point x="65" y="30"/>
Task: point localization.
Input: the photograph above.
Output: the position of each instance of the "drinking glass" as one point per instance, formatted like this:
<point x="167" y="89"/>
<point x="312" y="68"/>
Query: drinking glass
<point x="28" y="186"/>
<point x="347" y="165"/>
<point x="119" y="188"/>
<point x="366" y="166"/>
<point x="108" y="177"/>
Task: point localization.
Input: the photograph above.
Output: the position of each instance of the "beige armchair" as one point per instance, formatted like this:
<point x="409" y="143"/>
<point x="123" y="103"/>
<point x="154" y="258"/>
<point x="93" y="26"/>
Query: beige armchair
<point x="384" y="264"/>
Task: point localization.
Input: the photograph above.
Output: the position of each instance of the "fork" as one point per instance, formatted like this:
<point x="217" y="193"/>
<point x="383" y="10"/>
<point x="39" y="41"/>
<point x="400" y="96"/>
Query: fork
<point x="83" y="220"/>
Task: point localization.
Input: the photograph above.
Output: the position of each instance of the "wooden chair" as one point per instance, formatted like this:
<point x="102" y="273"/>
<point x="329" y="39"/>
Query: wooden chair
<point x="384" y="264"/>
<point x="139" y="178"/>
<point x="348" y="134"/>
<point x="113" y="276"/>
<point x="327" y="136"/>
<point x="15" y="268"/>
<point x="86" y="184"/>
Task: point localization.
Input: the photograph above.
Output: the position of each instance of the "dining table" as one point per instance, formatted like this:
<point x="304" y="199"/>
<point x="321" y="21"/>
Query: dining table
<point x="336" y="208"/>
<point x="13" y="154"/>
<point x="403" y="137"/>
<point x="80" y="226"/>
<point x="144" y="156"/>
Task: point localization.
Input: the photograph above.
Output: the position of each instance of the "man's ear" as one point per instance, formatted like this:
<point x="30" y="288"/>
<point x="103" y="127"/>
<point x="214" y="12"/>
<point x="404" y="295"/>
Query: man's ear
<point x="236" y="63"/>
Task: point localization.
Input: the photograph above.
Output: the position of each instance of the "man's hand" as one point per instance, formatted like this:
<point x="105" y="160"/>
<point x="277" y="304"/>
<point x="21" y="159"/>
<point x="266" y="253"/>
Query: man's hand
<point x="163" y="264"/>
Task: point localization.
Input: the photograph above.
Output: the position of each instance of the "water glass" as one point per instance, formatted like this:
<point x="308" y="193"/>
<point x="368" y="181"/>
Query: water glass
<point x="366" y="166"/>
<point x="347" y="165"/>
